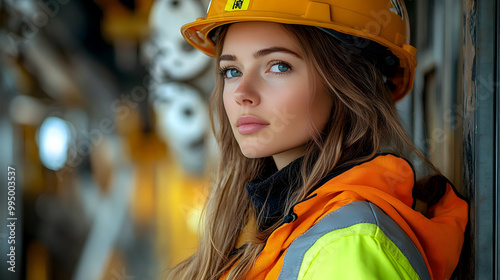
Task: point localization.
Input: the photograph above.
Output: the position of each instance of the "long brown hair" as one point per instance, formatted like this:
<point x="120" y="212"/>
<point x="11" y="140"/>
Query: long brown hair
<point x="363" y="122"/>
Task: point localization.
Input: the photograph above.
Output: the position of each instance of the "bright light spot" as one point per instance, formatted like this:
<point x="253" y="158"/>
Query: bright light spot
<point x="53" y="141"/>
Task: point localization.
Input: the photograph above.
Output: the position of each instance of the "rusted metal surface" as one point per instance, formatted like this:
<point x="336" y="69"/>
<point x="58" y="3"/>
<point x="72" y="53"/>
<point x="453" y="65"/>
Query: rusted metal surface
<point x="480" y="152"/>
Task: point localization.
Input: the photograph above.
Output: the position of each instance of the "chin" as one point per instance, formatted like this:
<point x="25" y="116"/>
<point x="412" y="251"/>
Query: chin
<point x="255" y="151"/>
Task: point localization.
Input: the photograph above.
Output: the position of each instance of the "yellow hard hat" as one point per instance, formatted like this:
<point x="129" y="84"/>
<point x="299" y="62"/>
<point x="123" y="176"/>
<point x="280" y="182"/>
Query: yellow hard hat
<point x="382" y="21"/>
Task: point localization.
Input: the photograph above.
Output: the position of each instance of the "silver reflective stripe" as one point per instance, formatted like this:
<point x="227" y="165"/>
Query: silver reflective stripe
<point x="346" y="216"/>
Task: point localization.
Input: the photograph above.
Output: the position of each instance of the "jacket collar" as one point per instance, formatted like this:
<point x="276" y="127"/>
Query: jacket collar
<point x="268" y="192"/>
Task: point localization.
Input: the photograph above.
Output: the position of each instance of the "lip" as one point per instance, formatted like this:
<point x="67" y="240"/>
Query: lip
<point x="250" y="124"/>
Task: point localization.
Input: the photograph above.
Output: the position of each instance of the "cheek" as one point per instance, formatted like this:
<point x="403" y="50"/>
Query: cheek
<point x="321" y="109"/>
<point x="310" y="106"/>
<point x="228" y="104"/>
<point x="300" y="103"/>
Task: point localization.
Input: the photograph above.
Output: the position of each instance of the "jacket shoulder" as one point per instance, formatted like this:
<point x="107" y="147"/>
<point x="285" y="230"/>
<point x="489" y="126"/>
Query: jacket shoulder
<point x="357" y="241"/>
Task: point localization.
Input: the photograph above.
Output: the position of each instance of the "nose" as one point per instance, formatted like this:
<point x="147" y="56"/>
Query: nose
<point x="247" y="92"/>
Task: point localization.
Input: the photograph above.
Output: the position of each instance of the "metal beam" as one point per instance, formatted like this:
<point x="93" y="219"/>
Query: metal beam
<point x="481" y="117"/>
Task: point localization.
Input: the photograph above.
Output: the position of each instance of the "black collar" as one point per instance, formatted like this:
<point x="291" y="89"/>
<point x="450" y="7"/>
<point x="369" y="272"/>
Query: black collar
<point x="268" y="192"/>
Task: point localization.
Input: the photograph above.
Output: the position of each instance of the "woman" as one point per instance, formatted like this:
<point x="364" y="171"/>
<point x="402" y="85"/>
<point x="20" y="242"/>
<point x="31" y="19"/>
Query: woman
<point x="312" y="183"/>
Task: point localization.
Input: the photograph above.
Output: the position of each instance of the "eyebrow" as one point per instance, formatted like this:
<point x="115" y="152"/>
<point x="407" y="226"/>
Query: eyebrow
<point x="260" y="53"/>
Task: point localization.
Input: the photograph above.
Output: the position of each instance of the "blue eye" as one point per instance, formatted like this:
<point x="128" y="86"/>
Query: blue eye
<point x="231" y="73"/>
<point x="280" y="68"/>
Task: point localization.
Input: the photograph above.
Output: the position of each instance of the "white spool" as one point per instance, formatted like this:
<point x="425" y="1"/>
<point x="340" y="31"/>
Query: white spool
<point x="175" y="59"/>
<point x="182" y="121"/>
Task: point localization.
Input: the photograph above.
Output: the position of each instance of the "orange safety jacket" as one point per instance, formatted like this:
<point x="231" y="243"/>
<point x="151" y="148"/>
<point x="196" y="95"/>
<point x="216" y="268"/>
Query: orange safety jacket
<point x="360" y="224"/>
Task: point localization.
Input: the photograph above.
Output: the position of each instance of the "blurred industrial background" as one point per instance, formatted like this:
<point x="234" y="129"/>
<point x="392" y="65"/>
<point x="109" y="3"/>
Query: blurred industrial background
<point x="104" y="122"/>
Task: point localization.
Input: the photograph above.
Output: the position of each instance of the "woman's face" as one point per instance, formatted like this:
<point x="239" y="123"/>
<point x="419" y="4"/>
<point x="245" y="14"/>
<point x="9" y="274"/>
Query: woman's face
<point x="273" y="99"/>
